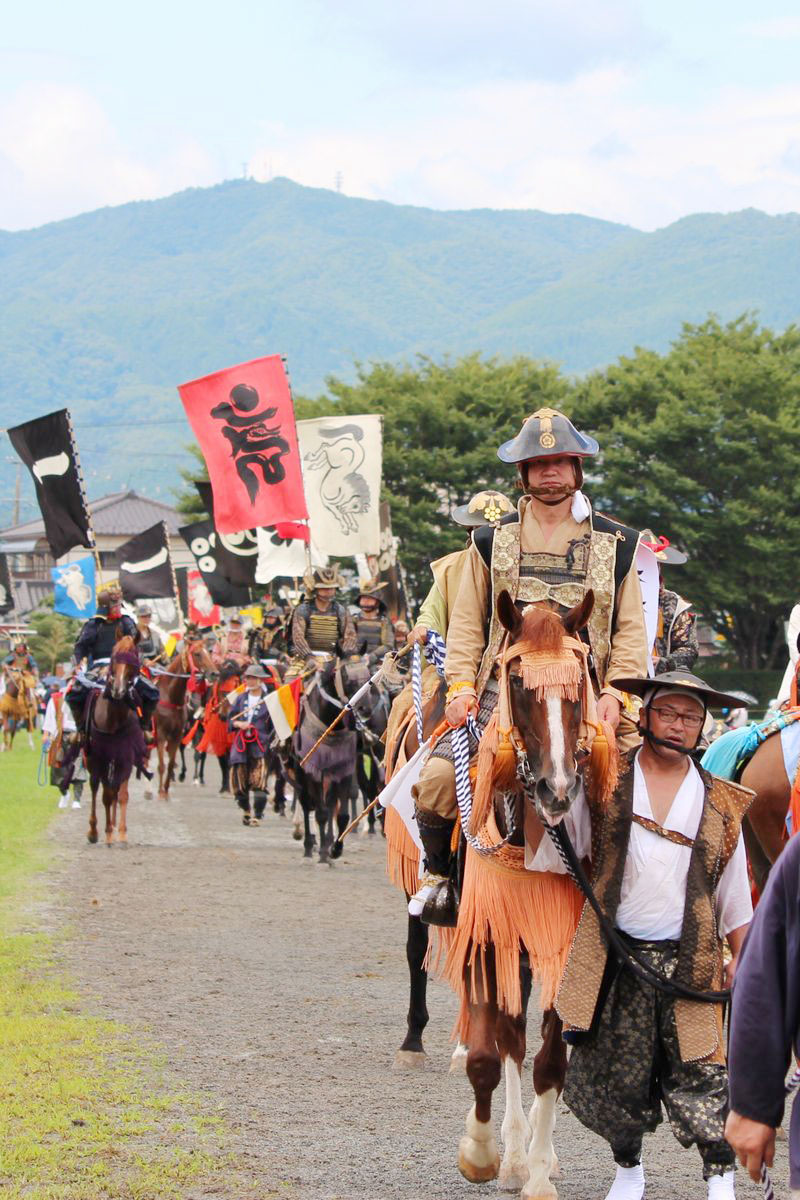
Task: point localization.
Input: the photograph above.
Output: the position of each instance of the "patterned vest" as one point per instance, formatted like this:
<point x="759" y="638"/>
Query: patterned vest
<point x="699" y="965"/>
<point x="590" y="562"/>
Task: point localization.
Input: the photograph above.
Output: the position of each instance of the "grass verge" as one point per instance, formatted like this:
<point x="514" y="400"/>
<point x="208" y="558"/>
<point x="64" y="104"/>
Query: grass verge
<point x="86" y="1111"/>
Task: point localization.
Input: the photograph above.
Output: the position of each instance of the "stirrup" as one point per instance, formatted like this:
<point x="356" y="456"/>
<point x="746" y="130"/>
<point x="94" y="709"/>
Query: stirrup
<point x="436" y="901"/>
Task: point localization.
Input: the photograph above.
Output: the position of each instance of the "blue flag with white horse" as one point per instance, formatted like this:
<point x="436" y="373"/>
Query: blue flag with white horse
<point x="74" y="585"/>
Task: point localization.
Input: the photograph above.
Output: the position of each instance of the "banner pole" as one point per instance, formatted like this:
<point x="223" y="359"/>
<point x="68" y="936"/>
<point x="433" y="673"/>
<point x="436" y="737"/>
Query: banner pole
<point x="178" y="609"/>
<point x="86" y="510"/>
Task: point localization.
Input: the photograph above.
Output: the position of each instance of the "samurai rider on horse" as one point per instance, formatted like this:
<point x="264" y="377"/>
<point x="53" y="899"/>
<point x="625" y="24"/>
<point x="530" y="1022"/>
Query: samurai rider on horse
<point x="94" y="648"/>
<point x="549" y="553"/>
<point x="18" y="701"/>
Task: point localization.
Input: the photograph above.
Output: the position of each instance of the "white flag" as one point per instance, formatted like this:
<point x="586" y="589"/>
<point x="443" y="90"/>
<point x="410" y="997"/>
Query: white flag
<point x="342" y="461"/>
<point x="282" y="557"/>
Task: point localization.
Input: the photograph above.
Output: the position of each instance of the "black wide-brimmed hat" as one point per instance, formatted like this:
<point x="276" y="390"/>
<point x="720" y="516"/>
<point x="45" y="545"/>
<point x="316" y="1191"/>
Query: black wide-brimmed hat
<point x="663" y="550"/>
<point x="682" y="681"/>
<point x="485" y="508"/>
<point x="546" y="433"/>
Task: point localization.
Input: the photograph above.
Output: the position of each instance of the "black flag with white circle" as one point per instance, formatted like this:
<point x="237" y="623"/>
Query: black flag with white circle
<point x="203" y="541"/>
<point x="145" y="566"/>
<point x="236" y="553"/>
<point x="46" y="447"/>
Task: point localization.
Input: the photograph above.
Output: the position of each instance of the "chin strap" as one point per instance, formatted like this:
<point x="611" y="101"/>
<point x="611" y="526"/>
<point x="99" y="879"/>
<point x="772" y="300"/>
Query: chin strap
<point x="657" y="741"/>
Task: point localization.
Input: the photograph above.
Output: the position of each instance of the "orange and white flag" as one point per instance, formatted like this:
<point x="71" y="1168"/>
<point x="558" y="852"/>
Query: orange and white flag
<point x="283" y="706"/>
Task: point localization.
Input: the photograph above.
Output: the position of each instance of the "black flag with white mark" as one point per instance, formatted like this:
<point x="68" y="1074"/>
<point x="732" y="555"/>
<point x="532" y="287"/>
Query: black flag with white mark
<point x="6" y="587"/>
<point x="145" y="566"/>
<point x="202" y="539"/>
<point x="46" y="447"/>
<point x="236" y="553"/>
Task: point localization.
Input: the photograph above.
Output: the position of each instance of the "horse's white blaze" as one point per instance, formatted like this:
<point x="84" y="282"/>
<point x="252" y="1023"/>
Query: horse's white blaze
<point x="558" y="749"/>
<point x="540" y="1152"/>
<point x="514" y="1132"/>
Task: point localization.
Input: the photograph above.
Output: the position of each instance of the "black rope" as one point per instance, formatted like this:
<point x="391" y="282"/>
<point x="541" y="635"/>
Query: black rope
<point x="641" y="969"/>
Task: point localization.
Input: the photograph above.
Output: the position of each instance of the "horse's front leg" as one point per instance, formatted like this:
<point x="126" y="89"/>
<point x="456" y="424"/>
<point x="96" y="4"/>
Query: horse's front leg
<point x="478" y="1157"/>
<point x="92" y="834"/>
<point x="515" y="1129"/>
<point x="549" y="1072"/>
<point x="322" y="792"/>
<point x="122" y="827"/>
<point x="162" y="794"/>
<point x="108" y="801"/>
<point x="412" y="1052"/>
<point x="182" y="752"/>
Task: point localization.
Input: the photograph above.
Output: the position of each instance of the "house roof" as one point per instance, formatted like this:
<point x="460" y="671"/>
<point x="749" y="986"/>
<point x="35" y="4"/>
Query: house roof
<point x="120" y="513"/>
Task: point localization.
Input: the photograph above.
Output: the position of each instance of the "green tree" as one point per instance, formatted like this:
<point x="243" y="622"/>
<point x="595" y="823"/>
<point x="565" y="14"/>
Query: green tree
<point x="702" y="444"/>
<point x="52" y="639"/>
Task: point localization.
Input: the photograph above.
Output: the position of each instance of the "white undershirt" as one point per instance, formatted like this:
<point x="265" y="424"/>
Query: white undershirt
<point x="50" y="723"/>
<point x="653" y="892"/>
<point x="253" y="703"/>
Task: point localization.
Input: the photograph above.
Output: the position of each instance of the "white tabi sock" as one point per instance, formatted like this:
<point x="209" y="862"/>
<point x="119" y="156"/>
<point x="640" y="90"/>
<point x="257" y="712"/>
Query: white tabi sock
<point x="628" y="1185"/>
<point x="720" y="1187"/>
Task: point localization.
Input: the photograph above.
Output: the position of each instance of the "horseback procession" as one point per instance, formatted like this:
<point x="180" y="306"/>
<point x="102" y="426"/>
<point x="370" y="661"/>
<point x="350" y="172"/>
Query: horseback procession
<point x="535" y="749"/>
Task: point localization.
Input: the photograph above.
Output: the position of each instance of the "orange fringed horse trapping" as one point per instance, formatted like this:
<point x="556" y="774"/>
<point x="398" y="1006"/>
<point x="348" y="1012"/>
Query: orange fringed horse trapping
<point x="402" y="854"/>
<point x="504" y="906"/>
<point x="602" y="773"/>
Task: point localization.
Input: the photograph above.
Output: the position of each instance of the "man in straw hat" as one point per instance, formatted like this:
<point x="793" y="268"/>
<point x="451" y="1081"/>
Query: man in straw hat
<point x="251" y="726"/>
<point x="669" y="872"/>
<point x="551" y="551"/>
<point x="675" y="647"/>
<point x="322" y="625"/>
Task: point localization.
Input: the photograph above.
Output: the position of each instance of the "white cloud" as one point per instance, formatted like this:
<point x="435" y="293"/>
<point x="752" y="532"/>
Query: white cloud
<point x="776" y="27"/>
<point x="60" y="155"/>
<point x="588" y="146"/>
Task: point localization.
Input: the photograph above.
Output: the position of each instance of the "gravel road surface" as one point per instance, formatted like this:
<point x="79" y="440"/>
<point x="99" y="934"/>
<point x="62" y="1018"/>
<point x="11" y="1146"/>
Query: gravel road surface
<point x="279" y="989"/>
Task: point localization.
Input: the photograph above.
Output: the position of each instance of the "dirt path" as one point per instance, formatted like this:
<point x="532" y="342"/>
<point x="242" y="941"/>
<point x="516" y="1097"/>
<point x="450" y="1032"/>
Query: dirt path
<point x="279" y="989"/>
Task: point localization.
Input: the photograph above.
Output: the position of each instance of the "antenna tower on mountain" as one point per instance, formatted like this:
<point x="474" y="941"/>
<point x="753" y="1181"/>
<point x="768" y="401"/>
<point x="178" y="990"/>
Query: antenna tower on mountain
<point x="339" y="181"/>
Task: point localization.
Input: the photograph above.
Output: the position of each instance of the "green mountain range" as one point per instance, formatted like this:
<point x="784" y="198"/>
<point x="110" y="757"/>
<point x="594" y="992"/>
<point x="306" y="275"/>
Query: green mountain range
<point x="106" y="312"/>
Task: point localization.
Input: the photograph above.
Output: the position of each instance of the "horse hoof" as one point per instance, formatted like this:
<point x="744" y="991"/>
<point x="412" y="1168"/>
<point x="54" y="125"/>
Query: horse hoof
<point x="91" y="839"/>
<point x="337" y="849"/>
<point x="195" y="783"/>
<point x="297" y="835"/>
<point x="474" y="1172"/>
<point x="410" y="1060"/>
<point x="513" y="1178"/>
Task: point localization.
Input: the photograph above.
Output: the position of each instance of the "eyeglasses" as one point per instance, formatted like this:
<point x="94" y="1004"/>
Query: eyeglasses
<point x="671" y="716"/>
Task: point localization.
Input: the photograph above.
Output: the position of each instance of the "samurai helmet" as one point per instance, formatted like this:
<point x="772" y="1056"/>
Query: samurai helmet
<point x="664" y="552"/>
<point x="485" y="508"/>
<point x="544" y="434"/>
<point x="326" y="577"/>
<point x="371" y="588"/>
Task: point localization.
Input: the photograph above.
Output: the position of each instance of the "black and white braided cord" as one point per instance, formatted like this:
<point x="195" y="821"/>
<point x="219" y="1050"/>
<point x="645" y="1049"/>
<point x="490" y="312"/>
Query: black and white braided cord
<point x="792" y="1085"/>
<point x="435" y="651"/>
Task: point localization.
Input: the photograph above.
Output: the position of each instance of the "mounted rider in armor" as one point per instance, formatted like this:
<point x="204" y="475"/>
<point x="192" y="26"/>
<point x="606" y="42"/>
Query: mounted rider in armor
<point x="96" y="639"/>
<point x="322" y="625"/>
<point x="270" y="639"/>
<point x="373" y="627"/>
<point x="550" y="552"/>
<point x="95" y="646"/>
<point x="151" y="645"/>
<point x="675" y="647"/>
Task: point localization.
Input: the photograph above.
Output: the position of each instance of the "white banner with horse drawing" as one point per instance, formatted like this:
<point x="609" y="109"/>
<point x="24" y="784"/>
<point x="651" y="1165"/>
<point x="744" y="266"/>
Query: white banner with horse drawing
<point x="342" y="459"/>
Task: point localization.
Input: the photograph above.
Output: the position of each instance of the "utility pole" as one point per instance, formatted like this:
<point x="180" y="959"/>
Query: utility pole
<point x="339" y="181"/>
<point x="17" y="495"/>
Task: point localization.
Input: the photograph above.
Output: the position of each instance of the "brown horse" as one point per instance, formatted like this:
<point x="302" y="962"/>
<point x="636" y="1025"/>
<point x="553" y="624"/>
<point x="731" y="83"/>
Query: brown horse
<point x="764" y="827"/>
<point x="114" y="741"/>
<point x="170" y="716"/>
<point x="528" y="772"/>
<point x="17" y="704"/>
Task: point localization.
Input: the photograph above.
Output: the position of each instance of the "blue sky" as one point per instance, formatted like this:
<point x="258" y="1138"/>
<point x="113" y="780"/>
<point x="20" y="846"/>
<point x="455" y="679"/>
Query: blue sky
<point x="631" y="110"/>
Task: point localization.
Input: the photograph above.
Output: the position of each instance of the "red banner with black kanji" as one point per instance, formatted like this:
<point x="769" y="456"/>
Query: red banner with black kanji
<point x="243" y="418"/>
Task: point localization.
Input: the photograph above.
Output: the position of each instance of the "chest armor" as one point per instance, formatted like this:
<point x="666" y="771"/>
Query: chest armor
<point x="146" y="647"/>
<point x="560" y="579"/>
<point x="105" y="639"/>
<point x="370" y="633"/>
<point x="322" y="631"/>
